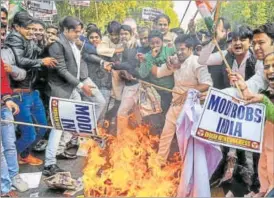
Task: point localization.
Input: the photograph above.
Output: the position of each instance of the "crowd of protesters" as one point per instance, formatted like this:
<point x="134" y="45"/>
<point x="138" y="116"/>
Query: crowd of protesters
<point x="75" y="61"/>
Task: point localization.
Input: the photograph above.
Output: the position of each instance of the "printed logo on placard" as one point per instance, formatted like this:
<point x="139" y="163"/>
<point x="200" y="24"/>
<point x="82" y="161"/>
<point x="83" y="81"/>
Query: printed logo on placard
<point x="201" y="132"/>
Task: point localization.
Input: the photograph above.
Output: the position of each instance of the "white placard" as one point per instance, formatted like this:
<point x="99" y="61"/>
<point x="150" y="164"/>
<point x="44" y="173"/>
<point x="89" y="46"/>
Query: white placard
<point x="227" y="121"/>
<point x="43" y="6"/>
<point x="73" y="116"/>
<point x="79" y="3"/>
<point x="150" y="13"/>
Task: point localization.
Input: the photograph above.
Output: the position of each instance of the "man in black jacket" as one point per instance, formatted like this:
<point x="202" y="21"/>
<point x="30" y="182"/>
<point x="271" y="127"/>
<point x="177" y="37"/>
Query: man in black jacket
<point x="32" y="109"/>
<point x="68" y="80"/>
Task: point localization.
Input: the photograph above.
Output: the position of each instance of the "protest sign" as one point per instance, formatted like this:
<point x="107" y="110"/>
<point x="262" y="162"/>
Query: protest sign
<point x="227" y="121"/>
<point x="150" y="13"/>
<point x="73" y="116"/>
<point x="44" y="16"/>
<point x="79" y="3"/>
<point x="43" y="6"/>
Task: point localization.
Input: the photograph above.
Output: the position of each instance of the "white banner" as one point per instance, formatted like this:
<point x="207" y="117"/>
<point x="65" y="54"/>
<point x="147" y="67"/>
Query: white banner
<point x="73" y="116"/>
<point x="79" y="3"/>
<point x="150" y="13"/>
<point x="226" y="121"/>
<point x="43" y="6"/>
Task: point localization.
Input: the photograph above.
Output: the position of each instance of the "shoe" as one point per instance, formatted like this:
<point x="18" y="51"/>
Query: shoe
<point x="11" y="193"/>
<point x="31" y="160"/>
<point x="40" y="146"/>
<point x="66" y="155"/>
<point x="51" y="170"/>
<point x="19" y="184"/>
<point x="73" y="143"/>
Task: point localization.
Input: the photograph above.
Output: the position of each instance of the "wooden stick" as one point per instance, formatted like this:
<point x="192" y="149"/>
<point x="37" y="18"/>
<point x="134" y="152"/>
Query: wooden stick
<point x="28" y="124"/>
<point x="229" y="68"/>
<point x="185" y="13"/>
<point x="38" y="125"/>
<point x="216" y="16"/>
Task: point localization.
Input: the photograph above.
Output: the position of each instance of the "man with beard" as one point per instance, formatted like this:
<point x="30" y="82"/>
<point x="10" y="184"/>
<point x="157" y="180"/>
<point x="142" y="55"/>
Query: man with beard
<point x="188" y="73"/>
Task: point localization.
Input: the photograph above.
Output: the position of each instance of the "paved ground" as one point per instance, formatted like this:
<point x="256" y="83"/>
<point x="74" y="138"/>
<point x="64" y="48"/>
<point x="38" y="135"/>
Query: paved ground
<point x="74" y="166"/>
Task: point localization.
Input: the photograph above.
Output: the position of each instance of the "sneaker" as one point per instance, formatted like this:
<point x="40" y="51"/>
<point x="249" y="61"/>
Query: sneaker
<point x="31" y="160"/>
<point x="66" y="155"/>
<point x="11" y="193"/>
<point x="51" y="170"/>
<point x="19" y="184"/>
<point x="40" y="146"/>
<point x="73" y="143"/>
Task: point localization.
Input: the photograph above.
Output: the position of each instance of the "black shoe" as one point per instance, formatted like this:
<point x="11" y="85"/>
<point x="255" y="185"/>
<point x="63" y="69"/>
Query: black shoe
<point x="40" y="146"/>
<point x="66" y="155"/>
<point x="71" y="145"/>
<point x="51" y="170"/>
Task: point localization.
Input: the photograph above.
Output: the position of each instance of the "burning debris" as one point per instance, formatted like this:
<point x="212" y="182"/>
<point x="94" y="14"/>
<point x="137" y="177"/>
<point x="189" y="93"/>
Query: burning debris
<point x="129" y="166"/>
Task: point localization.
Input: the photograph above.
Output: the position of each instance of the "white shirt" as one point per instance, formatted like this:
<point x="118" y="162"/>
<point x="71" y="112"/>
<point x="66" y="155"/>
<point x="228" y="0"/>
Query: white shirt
<point x="77" y="56"/>
<point x="190" y="74"/>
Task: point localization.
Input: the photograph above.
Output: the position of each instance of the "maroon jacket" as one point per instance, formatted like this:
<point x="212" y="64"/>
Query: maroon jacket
<point x="5" y="85"/>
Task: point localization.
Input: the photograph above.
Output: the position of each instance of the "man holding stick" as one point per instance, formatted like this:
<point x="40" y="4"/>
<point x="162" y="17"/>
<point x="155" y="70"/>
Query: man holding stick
<point x="188" y="73"/>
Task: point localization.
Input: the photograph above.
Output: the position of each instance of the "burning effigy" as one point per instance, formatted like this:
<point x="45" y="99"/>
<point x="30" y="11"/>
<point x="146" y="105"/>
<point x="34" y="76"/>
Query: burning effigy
<point x="130" y="166"/>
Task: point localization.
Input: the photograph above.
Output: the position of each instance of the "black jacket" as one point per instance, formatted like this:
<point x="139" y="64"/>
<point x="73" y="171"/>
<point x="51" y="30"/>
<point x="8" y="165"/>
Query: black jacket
<point x="26" y="53"/>
<point x="96" y="72"/>
<point x="129" y="63"/>
<point x="63" y="78"/>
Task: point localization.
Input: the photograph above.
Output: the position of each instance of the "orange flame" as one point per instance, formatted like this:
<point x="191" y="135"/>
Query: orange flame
<point x="129" y="166"/>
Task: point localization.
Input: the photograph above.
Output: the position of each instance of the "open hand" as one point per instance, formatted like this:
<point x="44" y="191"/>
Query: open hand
<point x="13" y="107"/>
<point x="155" y="51"/>
<point x="254" y="98"/>
<point x="7" y="68"/>
<point x="49" y="62"/>
<point x="87" y="89"/>
<point x="108" y="66"/>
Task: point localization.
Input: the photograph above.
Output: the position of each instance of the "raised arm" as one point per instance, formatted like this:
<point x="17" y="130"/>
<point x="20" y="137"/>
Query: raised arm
<point x="208" y="58"/>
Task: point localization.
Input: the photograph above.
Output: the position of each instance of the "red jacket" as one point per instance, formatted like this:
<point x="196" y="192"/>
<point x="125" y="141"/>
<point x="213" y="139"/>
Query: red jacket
<point x="5" y="84"/>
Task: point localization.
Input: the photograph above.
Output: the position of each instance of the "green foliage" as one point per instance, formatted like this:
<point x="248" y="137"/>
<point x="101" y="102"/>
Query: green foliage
<point x="252" y="13"/>
<point x="101" y="12"/>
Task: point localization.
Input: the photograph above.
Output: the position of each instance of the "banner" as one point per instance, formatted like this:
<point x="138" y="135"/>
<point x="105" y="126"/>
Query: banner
<point x="44" y="16"/>
<point x="226" y="121"/>
<point x="73" y="116"/>
<point x="150" y="13"/>
<point x="15" y="6"/>
<point x="79" y="3"/>
<point x="43" y="6"/>
<point x="206" y="9"/>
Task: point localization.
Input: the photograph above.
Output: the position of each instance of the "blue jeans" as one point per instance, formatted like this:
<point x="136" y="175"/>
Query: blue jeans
<point x="9" y="163"/>
<point x="31" y="111"/>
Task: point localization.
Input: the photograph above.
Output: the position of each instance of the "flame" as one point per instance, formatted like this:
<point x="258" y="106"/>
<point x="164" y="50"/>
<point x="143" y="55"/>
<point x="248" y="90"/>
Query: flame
<point x="129" y="166"/>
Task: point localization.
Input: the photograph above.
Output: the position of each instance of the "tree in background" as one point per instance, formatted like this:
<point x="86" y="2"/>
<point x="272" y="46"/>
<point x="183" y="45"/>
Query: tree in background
<point x="103" y="11"/>
<point x="252" y="13"/>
